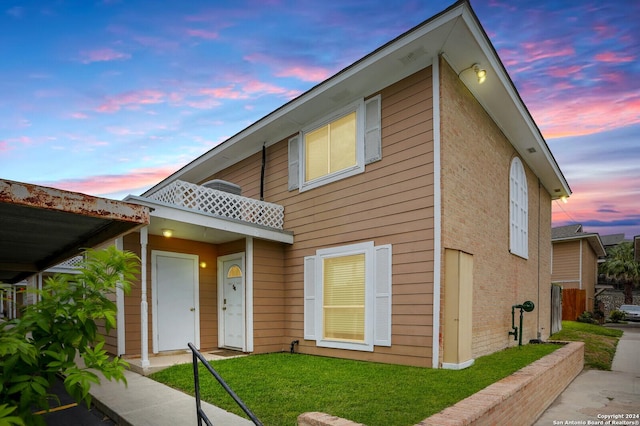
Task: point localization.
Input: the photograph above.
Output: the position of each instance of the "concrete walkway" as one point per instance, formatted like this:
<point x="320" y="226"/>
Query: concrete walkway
<point x="146" y="402"/>
<point x="598" y="395"/>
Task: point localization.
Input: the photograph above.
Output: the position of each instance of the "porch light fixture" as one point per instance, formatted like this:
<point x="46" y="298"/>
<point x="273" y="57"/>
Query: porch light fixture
<point x="167" y="233"/>
<point x="481" y="73"/>
<point x="564" y="199"/>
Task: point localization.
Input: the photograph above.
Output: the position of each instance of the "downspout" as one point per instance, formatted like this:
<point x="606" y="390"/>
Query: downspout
<point x="264" y="162"/>
<point x="539" y="222"/>
<point x="437" y="214"/>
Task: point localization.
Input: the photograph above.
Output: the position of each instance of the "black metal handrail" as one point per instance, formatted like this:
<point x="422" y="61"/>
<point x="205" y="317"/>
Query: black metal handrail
<point x="196" y="378"/>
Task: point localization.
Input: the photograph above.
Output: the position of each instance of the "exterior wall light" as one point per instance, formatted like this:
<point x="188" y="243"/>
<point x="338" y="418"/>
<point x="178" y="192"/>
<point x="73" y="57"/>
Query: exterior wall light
<point x="167" y="233"/>
<point x="481" y="73"/>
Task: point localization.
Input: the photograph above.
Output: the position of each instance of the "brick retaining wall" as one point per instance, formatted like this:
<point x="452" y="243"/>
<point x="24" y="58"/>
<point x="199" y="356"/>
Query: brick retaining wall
<point x="518" y="399"/>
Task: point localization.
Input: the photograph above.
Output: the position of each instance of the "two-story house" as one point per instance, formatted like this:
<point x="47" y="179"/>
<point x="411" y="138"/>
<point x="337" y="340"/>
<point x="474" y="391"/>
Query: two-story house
<point x="394" y="213"/>
<point x="575" y="261"/>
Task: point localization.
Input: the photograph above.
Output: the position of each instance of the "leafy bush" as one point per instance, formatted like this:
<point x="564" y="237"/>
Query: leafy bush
<point x="587" y="317"/>
<point x="616" y="316"/>
<point x="63" y="325"/>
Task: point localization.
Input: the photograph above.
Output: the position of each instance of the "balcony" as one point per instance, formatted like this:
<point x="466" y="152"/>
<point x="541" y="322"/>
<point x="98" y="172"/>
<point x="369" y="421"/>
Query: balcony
<point x="221" y="204"/>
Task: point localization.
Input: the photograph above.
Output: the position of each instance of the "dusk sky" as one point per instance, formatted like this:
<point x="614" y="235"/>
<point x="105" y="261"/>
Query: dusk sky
<point x="108" y="97"/>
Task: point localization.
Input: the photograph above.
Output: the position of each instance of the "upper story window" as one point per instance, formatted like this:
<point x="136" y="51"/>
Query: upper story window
<point x="337" y="146"/>
<point x="518" y="210"/>
<point x="330" y="148"/>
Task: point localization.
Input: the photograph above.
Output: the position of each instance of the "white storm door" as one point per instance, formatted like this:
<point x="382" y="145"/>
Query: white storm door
<point x="175" y="300"/>
<point x="233" y="289"/>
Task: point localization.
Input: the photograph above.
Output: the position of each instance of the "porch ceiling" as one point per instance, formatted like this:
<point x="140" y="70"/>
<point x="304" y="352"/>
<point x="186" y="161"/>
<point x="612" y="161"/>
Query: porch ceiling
<point x="42" y="227"/>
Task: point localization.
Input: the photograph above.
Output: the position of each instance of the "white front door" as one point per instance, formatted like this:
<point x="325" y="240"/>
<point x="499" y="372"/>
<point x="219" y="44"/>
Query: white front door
<point x="175" y="301"/>
<point x="232" y="303"/>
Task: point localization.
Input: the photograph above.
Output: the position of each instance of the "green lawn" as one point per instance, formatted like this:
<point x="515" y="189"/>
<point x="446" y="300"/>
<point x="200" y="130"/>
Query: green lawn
<point x="278" y="387"/>
<point x="599" y="342"/>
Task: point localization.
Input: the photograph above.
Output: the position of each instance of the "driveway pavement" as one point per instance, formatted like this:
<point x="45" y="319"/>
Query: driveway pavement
<point x="603" y="397"/>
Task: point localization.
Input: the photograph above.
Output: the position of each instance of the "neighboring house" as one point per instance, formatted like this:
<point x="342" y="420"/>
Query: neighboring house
<point x="612" y="240"/>
<point x="393" y="213"/>
<point x="575" y="260"/>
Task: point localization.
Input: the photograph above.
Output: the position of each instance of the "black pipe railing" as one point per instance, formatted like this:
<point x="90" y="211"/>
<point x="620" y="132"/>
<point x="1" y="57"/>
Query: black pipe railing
<point x="196" y="378"/>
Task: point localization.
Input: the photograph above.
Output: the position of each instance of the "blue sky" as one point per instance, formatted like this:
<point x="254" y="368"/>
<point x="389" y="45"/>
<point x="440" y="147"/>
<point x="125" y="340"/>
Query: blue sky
<point x="109" y="97"/>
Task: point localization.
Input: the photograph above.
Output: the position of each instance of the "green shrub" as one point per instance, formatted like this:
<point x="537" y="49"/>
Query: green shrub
<point x="44" y="343"/>
<point x="616" y="316"/>
<point x="587" y="317"/>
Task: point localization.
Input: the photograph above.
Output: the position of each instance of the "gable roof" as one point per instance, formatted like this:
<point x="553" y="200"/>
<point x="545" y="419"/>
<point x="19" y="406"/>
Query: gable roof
<point x="565" y="231"/>
<point x="42" y="227"/>
<point x="574" y="232"/>
<point x="612" y="239"/>
<point x="454" y="33"/>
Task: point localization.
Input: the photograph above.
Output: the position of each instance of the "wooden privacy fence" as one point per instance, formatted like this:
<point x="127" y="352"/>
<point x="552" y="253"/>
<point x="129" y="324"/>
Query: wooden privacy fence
<point x="574" y="303"/>
<point x="556" y="308"/>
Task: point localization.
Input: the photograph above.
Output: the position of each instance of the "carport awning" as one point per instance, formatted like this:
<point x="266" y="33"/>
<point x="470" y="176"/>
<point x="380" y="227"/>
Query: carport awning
<point x="41" y="227"/>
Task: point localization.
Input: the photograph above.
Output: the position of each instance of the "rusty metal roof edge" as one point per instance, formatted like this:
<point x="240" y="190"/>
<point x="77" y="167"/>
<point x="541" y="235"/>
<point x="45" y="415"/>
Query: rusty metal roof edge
<point x="49" y="198"/>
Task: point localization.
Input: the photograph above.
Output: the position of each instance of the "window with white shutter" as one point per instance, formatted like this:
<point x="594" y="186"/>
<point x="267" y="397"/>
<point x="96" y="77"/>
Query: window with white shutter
<point x="337" y="146"/>
<point x="347" y="297"/>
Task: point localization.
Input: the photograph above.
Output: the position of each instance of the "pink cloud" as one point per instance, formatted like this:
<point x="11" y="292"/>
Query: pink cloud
<point x="132" y="100"/>
<point x="102" y="55"/>
<point x="256" y="86"/>
<point x="109" y="184"/>
<point x="613" y="57"/>
<point x="123" y="131"/>
<point x="604" y="31"/>
<point x="79" y="116"/>
<point x="204" y="103"/>
<point x="207" y="35"/>
<point x="563" y="72"/>
<point x="594" y="202"/>
<point x="543" y="50"/>
<point x="313" y="74"/>
<point x="228" y="92"/>
<point x="4" y="146"/>
<point x="297" y="70"/>
<point x="587" y="114"/>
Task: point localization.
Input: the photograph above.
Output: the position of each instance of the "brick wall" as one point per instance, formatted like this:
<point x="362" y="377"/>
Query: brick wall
<point x="518" y="399"/>
<point x="476" y="159"/>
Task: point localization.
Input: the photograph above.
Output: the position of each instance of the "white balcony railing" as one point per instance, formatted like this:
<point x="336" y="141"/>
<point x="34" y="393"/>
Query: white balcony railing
<point x="221" y="204"/>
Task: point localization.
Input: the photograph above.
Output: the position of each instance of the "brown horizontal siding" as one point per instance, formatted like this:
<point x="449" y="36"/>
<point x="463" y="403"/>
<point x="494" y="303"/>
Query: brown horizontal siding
<point x="391" y="203"/>
<point x="268" y="297"/>
<point x="566" y="261"/>
<point x="207" y="291"/>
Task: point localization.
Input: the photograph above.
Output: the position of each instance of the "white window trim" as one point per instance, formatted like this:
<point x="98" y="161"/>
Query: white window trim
<point x="378" y="283"/>
<point x="519" y="240"/>
<point x="369" y="296"/>
<point x="358" y="168"/>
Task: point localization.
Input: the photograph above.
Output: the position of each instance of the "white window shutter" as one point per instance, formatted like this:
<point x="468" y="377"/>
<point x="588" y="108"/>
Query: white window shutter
<point x="310" y="298"/>
<point x="294" y="163"/>
<point x="372" y="132"/>
<point x="382" y="326"/>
